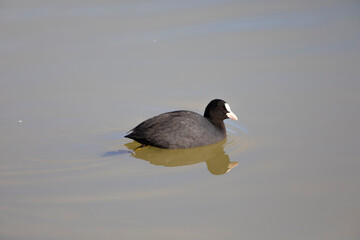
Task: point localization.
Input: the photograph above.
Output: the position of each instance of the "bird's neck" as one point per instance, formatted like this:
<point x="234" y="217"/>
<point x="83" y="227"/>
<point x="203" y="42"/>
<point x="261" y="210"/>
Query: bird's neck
<point x="219" y="124"/>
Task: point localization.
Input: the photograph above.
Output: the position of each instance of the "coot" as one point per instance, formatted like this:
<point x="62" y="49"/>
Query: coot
<point x="184" y="129"/>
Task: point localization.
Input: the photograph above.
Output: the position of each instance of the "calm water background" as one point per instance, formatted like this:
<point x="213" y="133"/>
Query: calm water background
<point x="75" y="76"/>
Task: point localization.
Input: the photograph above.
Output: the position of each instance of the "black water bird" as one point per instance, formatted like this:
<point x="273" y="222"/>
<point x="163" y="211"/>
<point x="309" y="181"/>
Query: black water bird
<point x="184" y="129"/>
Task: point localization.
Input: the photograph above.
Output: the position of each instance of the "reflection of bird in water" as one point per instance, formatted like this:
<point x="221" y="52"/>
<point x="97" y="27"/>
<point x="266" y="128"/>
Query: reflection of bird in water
<point x="217" y="161"/>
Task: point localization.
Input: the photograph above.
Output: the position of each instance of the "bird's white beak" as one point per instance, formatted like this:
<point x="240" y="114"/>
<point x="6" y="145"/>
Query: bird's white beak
<point x="230" y="114"/>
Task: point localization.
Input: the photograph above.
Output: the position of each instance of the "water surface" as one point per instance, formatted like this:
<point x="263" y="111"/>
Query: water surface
<point x="75" y="76"/>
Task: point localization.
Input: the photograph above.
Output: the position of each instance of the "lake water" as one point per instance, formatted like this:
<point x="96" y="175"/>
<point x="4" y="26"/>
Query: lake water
<point x="76" y="76"/>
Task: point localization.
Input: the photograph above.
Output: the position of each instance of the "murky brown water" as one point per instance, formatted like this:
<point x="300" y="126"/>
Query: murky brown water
<point x="76" y="76"/>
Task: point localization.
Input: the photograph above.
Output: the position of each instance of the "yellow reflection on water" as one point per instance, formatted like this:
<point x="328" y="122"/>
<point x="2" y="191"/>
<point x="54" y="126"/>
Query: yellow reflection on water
<point x="215" y="157"/>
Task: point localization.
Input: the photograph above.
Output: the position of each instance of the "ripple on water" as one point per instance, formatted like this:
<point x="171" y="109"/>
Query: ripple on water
<point x="237" y="138"/>
<point x="60" y="157"/>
